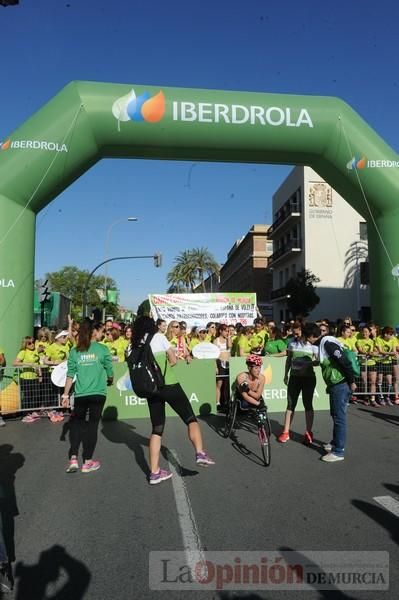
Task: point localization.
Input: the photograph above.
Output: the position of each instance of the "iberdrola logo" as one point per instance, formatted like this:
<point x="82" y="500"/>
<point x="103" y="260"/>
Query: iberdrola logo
<point x="139" y="108"/>
<point x="5" y="145"/>
<point x="356" y="163"/>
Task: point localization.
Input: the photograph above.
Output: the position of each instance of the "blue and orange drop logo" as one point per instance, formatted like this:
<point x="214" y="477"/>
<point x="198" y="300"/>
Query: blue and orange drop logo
<point x="5" y="145"/>
<point x="139" y="108"/>
<point x="356" y="163"/>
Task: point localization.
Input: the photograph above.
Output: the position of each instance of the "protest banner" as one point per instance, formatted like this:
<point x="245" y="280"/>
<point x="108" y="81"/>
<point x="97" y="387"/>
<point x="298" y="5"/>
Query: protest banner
<point x="200" y="309"/>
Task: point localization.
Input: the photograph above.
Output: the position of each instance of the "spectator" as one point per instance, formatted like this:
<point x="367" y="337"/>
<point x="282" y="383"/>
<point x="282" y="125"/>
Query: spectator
<point x="244" y="341"/>
<point x="223" y="342"/>
<point x="91" y="364"/>
<point x="211" y="331"/>
<point x="258" y="338"/>
<point x="339" y="377"/>
<point x="30" y="374"/>
<point x="365" y="345"/>
<point x="275" y="345"/>
<point x="161" y="326"/>
<point x="386" y="345"/>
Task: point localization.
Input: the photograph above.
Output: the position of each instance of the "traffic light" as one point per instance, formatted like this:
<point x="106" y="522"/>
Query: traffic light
<point x="44" y="294"/>
<point x="157" y="259"/>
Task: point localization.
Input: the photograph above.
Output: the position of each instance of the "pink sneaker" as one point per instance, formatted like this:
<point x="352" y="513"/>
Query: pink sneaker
<point x="90" y="465"/>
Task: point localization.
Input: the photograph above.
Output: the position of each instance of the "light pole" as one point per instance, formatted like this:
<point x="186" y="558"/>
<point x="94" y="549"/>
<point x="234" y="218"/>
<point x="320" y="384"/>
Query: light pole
<point x="157" y="257"/>
<point x="107" y="240"/>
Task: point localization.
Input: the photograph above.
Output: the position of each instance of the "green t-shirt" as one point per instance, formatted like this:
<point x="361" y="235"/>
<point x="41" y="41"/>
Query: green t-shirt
<point x="258" y="341"/>
<point x="244" y="345"/>
<point x="29" y="356"/>
<point x="349" y="343"/>
<point x="366" y="347"/>
<point x="118" y="347"/>
<point x="57" y="352"/>
<point x="91" y="367"/>
<point x="275" y="346"/>
<point x="383" y="345"/>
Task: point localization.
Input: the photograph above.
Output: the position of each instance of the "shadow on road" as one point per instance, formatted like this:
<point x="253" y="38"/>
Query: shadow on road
<point x="120" y="432"/>
<point x="388" y="417"/>
<point x="57" y="575"/>
<point x="10" y="462"/>
<point x="381" y="516"/>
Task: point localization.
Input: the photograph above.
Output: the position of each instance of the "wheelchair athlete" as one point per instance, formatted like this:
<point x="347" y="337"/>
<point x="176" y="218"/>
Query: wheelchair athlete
<point x="250" y="384"/>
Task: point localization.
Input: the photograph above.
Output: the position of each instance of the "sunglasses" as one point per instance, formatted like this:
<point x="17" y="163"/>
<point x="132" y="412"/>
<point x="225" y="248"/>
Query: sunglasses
<point x="176" y="326"/>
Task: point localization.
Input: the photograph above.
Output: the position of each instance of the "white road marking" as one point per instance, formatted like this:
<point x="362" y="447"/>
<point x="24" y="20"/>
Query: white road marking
<point x="188" y="525"/>
<point x="388" y="503"/>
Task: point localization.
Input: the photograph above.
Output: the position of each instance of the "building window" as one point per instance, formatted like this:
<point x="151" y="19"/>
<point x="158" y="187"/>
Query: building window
<point x="269" y="246"/>
<point x="293" y="270"/>
<point x="280" y="277"/>
<point x="363" y="231"/>
<point x="287" y="275"/>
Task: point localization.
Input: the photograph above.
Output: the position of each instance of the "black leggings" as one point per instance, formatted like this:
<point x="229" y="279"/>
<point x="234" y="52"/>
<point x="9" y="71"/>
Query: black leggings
<point x="84" y="422"/>
<point x="296" y="385"/>
<point x="176" y="398"/>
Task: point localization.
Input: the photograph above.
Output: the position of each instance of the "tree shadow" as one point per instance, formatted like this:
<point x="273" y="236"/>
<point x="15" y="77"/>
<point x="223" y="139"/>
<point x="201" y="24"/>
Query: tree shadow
<point x="392" y="487"/>
<point x="10" y="462"/>
<point x="57" y="575"/>
<point x="381" y="516"/>
<point x="333" y="593"/>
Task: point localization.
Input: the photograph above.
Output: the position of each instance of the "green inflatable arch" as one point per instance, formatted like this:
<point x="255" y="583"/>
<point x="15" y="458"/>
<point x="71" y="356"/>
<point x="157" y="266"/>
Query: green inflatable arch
<point x="89" y="121"/>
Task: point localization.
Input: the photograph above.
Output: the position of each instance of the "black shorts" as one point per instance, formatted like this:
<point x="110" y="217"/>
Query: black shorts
<point x="296" y="385"/>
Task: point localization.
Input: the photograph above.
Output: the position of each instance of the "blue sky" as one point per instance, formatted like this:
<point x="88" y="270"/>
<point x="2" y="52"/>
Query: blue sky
<point x="345" y="49"/>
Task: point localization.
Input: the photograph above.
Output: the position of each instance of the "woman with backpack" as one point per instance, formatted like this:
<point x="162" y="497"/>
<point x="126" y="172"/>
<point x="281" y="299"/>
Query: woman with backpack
<point x="145" y="331"/>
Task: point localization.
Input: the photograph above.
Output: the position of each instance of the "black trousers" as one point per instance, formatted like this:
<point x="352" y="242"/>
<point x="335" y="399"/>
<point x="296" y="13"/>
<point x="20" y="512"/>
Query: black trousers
<point x="84" y="421"/>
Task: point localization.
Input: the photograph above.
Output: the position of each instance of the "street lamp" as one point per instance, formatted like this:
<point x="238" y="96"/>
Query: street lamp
<point x="107" y="240"/>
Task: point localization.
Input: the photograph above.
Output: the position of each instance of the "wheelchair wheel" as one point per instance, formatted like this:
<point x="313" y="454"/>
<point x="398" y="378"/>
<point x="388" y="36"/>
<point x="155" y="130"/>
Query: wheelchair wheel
<point x="230" y="418"/>
<point x="265" y="436"/>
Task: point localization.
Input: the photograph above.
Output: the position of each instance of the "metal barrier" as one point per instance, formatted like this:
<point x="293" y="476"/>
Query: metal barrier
<point x="24" y="389"/>
<point x="379" y="379"/>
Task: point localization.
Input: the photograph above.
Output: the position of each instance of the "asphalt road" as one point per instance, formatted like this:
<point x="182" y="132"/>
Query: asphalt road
<point x="89" y="536"/>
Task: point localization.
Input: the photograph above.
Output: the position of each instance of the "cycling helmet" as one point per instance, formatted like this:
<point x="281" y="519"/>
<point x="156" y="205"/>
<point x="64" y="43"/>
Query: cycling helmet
<point x="254" y="360"/>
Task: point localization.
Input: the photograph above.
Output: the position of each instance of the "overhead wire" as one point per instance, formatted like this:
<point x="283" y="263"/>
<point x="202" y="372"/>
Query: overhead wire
<point x="365" y="197"/>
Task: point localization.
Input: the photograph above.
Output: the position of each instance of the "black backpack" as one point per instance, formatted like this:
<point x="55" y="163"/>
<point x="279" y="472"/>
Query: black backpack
<point x="145" y="374"/>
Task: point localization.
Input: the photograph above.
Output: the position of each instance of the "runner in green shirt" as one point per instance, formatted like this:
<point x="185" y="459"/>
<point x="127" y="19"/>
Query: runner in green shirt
<point x="91" y="363"/>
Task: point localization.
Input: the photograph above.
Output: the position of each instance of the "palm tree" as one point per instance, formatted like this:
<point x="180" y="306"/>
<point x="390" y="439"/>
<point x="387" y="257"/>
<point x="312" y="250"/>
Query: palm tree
<point x="190" y="266"/>
<point x="183" y="272"/>
<point x="204" y="263"/>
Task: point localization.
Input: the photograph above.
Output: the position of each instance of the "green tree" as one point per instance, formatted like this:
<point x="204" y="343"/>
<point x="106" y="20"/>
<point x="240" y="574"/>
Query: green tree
<point x="301" y="293"/>
<point x="190" y="268"/>
<point x="70" y="281"/>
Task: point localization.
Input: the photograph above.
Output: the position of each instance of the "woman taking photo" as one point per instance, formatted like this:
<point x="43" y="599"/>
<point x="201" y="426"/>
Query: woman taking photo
<point x="91" y="363"/>
<point x="172" y="393"/>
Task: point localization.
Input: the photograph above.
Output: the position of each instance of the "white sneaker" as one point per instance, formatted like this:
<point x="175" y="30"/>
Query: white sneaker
<point x="2" y="421"/>
<point x="331" y="457"/>
<point x="327" y="447"/>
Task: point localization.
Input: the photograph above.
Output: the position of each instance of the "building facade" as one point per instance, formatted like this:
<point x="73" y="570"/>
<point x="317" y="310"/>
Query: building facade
<point x="246" y="267"/>
<point x="315" y="229"/>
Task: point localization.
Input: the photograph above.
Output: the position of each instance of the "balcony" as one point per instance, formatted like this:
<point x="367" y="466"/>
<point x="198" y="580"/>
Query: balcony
<point x="284" y="251"/>
<point x="290" y="210"/>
